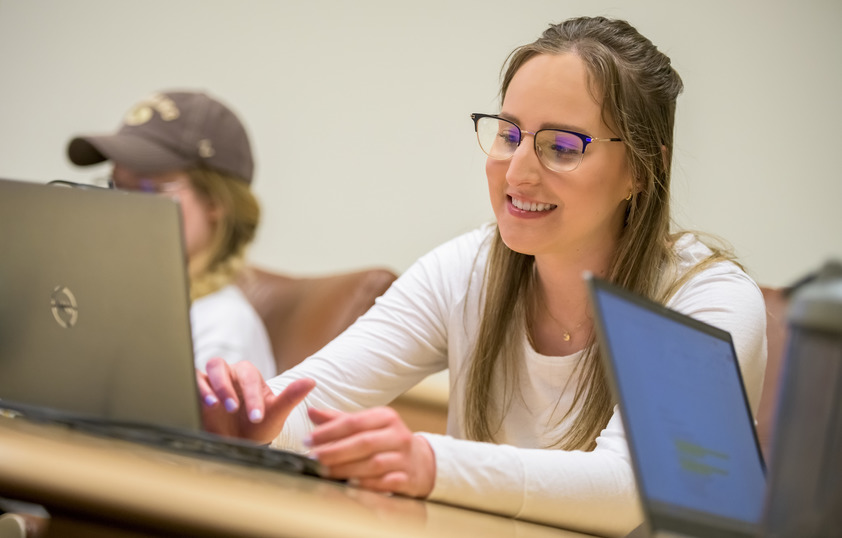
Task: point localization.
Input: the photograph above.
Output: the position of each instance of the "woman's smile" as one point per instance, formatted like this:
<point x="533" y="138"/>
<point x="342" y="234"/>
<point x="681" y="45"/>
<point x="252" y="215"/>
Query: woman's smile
<point x="525" y="208"/>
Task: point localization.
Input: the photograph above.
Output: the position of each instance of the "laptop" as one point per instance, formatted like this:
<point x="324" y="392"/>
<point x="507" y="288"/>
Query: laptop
<point x="95" y="322"/>
<point x="694" y="449"/>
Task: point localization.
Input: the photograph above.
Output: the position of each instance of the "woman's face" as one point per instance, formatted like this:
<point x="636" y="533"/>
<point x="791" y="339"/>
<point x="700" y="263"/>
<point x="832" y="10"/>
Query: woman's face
<point x="576" y="212"/>
<point x="198" y="216"/>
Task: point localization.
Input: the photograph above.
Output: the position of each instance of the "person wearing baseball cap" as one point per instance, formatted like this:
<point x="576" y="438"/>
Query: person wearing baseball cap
<point x="192" y="147"/>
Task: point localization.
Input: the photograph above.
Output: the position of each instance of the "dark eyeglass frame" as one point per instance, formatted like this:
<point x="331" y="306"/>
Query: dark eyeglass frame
<point x="146" y="186"/>
<point x="586" y="139"/>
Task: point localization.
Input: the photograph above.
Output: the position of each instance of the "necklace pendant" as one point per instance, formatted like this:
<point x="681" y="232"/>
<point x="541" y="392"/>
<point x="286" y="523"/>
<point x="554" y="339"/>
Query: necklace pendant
<point x="565" y="336"/>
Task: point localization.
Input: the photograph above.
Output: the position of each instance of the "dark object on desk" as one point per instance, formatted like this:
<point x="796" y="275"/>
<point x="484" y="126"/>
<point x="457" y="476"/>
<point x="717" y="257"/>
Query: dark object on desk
<point x="689" y="427"/>
<point x="805" y="475"/>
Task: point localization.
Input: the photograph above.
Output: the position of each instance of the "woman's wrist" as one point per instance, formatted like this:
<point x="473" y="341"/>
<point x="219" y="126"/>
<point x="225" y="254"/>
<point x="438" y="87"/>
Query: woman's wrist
<point x="425" y="465"/>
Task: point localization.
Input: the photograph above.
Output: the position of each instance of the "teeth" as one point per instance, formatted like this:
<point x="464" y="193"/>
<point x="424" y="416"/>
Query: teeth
<point x="527" y="206"/>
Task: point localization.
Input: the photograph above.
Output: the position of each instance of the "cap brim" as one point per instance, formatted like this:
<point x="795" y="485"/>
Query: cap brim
<point x="135" y="153"/>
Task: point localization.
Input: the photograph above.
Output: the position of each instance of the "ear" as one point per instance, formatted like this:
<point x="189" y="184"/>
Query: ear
<point x="634" y="187"/>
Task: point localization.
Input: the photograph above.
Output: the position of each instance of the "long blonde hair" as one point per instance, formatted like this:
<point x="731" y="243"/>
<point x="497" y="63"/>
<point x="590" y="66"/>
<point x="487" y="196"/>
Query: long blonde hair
<point x="638" y="88"/>
<point x="219" y="264"/>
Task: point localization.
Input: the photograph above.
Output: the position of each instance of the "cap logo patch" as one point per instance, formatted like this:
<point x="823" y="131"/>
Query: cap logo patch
<point x="143" y="111"/>
<point x="206" y="148"/>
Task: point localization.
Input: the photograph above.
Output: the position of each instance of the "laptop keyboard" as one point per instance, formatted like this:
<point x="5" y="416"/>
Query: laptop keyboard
<point x="201" y="444"/>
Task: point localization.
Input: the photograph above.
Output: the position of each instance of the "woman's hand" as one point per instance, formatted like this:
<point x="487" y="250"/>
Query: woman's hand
<point x="373" y="449"/>
<point x="237" y="402"/>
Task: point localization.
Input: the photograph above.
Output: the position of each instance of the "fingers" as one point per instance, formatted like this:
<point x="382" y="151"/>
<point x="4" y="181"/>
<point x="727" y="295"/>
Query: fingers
<point x="215" y="418"/>
<point x="397" y="481"/>
<point x="340" y="426"/>
<point x="320" y="416"/>
<point x="375" y="449"/>
<point x="222" y="381"/>
<point x="373" y="472"/>
<point x="295" y="392"/>
<point x="360" y="445"/>
<point x="250" y="385"/>
<point x="281" y="406"/>
<point x="249" y="407"/>
<point x="206" y="393"/>
<point x="372" y="447"/>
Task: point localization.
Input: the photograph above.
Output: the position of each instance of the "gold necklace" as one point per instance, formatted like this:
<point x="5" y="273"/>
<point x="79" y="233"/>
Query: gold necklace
<point x="565" y="334"/>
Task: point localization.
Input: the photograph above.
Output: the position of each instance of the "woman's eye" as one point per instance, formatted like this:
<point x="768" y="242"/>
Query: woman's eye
<point x="562" y="150"/>
<point x="509" y="137"/>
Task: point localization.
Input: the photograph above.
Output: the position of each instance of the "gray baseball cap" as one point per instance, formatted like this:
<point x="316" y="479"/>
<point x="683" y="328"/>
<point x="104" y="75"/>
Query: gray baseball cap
<point x="170" y="131"/>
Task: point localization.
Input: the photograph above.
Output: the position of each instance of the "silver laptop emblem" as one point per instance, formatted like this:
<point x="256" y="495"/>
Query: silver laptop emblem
<point x="63" y="304"/>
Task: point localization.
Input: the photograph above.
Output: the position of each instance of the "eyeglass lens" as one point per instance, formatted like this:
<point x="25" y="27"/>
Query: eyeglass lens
<point x="557" y="150"/>
<point x="146" y="185"/>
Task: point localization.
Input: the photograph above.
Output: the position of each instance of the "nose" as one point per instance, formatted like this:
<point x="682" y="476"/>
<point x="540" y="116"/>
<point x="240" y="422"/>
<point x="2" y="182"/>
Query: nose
<point x="524" y="166"/>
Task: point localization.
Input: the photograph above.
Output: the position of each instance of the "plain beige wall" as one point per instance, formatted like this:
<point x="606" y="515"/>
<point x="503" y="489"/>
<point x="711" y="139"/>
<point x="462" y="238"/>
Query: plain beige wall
<point x="359" y="111"/>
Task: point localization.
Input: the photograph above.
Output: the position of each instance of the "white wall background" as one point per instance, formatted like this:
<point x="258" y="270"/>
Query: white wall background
<point x="359" y="111"/>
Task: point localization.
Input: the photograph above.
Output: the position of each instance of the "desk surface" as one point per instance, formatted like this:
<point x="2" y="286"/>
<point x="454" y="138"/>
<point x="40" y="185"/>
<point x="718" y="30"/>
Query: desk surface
<point x="121" y="484"/>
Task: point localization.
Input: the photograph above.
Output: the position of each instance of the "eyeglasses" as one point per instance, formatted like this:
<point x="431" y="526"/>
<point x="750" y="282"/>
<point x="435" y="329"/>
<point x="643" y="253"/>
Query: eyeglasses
<point x="557" y="149"/>
<point x="150" y="186"/>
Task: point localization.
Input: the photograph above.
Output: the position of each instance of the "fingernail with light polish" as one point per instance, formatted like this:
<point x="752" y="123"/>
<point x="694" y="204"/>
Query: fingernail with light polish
<point x="230" y="405"/>
<point x="210" y="400"/>
<point x="255" y="415"/>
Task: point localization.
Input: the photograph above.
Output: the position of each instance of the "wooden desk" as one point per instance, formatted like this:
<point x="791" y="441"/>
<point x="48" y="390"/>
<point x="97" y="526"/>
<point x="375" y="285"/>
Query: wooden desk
<point x="102" y="487"/>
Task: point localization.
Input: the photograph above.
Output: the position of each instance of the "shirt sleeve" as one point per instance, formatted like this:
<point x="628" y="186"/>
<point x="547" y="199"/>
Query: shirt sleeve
<point x="401" y="340"/>
<point x="729" y="299"/>
<point x="591" y="492"/>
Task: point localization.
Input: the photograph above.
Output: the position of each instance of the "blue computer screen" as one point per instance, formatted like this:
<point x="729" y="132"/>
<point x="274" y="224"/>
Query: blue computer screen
<point x="685" y="411"/>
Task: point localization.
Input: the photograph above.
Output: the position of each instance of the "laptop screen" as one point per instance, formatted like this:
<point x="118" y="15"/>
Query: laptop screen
<point x="688" y="425"/>
<point x="94" y="305"/>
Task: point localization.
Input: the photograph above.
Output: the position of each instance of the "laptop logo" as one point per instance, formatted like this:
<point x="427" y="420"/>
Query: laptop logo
<point x="63" y="304"/>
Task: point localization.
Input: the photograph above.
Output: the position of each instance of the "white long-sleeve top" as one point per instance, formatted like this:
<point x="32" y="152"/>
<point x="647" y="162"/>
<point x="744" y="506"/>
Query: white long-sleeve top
<point x="224" y="324"/>
<point x="428" y="320"/>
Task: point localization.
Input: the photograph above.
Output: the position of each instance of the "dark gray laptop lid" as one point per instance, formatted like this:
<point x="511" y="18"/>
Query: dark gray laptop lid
<point x="690" y="431"/>
<point x="94" y="306"/>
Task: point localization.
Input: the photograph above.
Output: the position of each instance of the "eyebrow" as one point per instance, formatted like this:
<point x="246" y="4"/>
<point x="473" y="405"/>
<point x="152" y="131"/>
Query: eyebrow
<point x="562" y="126"/>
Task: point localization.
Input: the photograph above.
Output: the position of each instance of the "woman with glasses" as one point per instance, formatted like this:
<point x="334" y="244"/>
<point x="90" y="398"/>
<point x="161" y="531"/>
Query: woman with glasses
<point x="578" y="174"/>
<point x="193" y="148"/>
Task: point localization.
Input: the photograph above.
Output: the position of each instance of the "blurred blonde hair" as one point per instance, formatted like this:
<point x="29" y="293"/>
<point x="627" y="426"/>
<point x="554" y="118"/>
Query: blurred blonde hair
<point x="219" y="264"/>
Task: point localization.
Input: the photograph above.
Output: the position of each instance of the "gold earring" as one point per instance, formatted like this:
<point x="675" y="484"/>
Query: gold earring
<point x="629" y="197"/>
